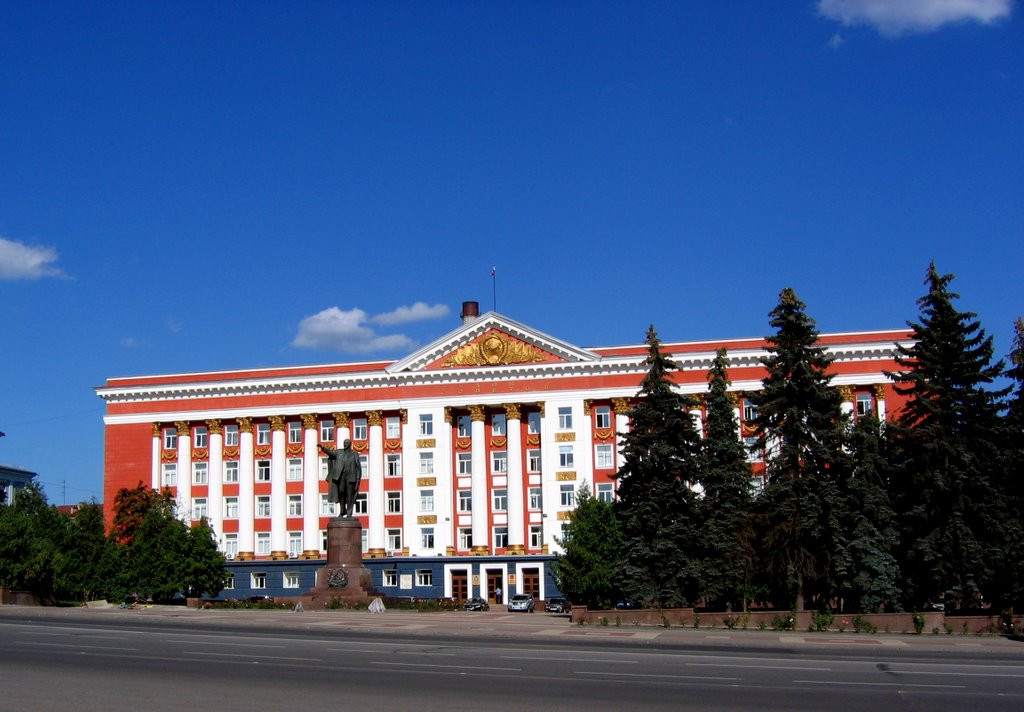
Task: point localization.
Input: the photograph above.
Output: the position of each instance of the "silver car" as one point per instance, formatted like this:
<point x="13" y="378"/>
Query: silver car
<point x="521" y="602"/>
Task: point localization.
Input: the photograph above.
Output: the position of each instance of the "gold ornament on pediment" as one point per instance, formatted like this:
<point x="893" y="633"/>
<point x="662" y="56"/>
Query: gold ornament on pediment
<point x="495" y="349"/>
<point x="565" y="437"/>
<point x="621" y="405"/>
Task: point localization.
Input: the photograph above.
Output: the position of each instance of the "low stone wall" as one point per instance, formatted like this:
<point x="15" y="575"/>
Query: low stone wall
<point x="931" y="622"/>
<point x="18" y="598"/>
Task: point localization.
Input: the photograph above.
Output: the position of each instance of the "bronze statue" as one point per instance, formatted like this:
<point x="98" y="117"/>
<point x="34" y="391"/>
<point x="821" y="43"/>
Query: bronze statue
<point x="343" y="475"/>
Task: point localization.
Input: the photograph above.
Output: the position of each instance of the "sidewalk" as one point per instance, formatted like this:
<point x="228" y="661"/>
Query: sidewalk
<point x="503" y="625"/>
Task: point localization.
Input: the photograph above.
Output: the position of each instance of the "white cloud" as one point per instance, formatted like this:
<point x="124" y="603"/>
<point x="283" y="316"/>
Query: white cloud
<point x="345" y="331"/>
<point x="21" y="261"/>
<point x="897" y="17"/>
<point x="836" y="41"/>
<point x="417" y="312"/>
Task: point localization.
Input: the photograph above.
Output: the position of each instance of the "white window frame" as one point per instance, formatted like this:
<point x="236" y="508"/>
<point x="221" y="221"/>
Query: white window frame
<point x="361" y="503"/>
<point x="427" y="538"/>
<point x="464" y="463"/>
<point x="499" y="535"/>
<point x="604" y="456"/>
<point x="170" y="438"/>
<point x="389" y="577"/>
<point x="533" y="423"/>
<point x="294" y="544"/>
<point x="392" y="427"/>
<point x="426" y="421"/>
<point x="536" y="536"/>
<point x="427" y="500"/>
<point x="465" y="539"/>
<point x="463" y="426"/>
<point x="566" y="457"/>
<point x="605" y="492"/>
<point x="536" y="498"/>
<point x="564" y="417"/>
<point x="262" y="506"/>
<point x="359" y="428"/>
<point x="424" y="577"/>
<point x="230" y="436"/>
<point x="393" y="464"/>
<point x="426" y="463"/>
<point x="263" y="433"/>
<point x="200" y="437"/>
<point x="499" y="425"/>
<point x="291" y="579"/>
<point x="169" y="474"/>
<point x="231" y="507"/>
<point x="327" y="431"/>
<point x="394" y="539"/>
<point x="567" y="495"/>
<point x="200" y="473"/>
<point x="499" y="500"/>
<point x="602" y="417"/>
<point x="393" y="502"/>
<point x="465" y="501"/>
<point x="200" y="508"/>
<point x="230" y="471"/>
<point x="263" y="471"/>
<point x="533" y="460"/>
<point x="258" y="580"/>
<point x="295" y="505"/>
<point x="263" y="543"/>
<point x="499" y="462"/>
<point x="294" y="469"/>
<point x="295" y="433"/>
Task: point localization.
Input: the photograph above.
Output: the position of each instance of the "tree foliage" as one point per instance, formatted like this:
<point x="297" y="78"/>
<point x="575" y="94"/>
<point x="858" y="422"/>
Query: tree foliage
<point x="587" y="569"/>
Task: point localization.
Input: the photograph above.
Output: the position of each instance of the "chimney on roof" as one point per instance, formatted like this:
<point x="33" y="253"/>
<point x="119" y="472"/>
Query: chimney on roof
<point x="470" y="311"/>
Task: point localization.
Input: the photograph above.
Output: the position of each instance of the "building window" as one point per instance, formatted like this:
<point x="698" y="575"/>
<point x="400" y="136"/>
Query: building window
<point x="394" y="500"/>
<point x="749" y="412"/>
<point x="230" y="471"/>
<point x="229" y="582"/>
<point x="294" y="469"/>
<point x="294" y="544"/>
<point x="465" y="538"/>
<point x="392" y="427"/>
<point x="536" y="500"/>
<point x="390" y="577"/>
<point x="564" y="418"/>
<point x="533" y="423"/>
<point x="295" y="433"/>
<point x="533" y="460"/>
<point x="170" y="474"/>
<point x="170" y="439"/>
<point x="198" y="507"/>
<point x="258" y="580"/>
<point x="864" y="404"/>
<point x="500" y="536"/>
<point x="499" y="462"/>
<point x="756" y="485"/>
<point x="427" y="538"/>
<point x="263" y="506"/>
<point x="231" y="435"/>
<point x="230" y="545"/>
<point x="753" y="447"/>
<point x="263" y="543"/>
<point x="363" y="460"/>
<point x="263" y="434"/>
<point x="603" y="457"/>
<point x="464" y="462"/>
<point x="500" y="500"/>
<point x="463" y="426"/>
<point x="263" y="470"/>
<point x="359" y="428"/>
<point x="426" y="424"/>
<point x="465" y="500"/>
<point x="602" y="417"/>
<point x="360" y="506"/>
<point x="291" y="579"/>
<point x="327" y="431"/>
<point x="536" y="536"/>
<point x="424" y="577"/>
<point x="231" y="507"/>
<point x="605" y="492"/>
<point x="200" y="473"/>
<point x="567" y="494"/>
<point x="426" y="463"/>
<point x="394" y="539"/>
<point x="393" y="465"/>
<point x="295" y="505"/>
<point x="364" y="541"/>
<point x="200" y="437"/>
<point x="565" y="458"/>
<point x="498" y="424"/>
<point x="326" y="506"/>
<point x="427" y="500"/>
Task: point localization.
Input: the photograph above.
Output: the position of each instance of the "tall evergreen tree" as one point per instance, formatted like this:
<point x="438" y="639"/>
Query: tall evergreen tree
<point x="656" y="505"/>
<point x="586" y="571"/>
<point x="725" y="507"/>
<point x="800" y="426"/>
<point x="946" y="438"/>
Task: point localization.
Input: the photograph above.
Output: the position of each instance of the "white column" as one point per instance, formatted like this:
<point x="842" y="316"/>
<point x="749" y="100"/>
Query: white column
<point x="310" y="487"/>
<point x="184" y="498"/>
<point x="516" y="498"/>
<point x="481" y="536"/>
<point x="698" y="420"/>
<point x="621" y="406"/>
<point x="278" y="489"/>
<point x="246" y="490"/>
<point x="215" y="475"/>
<point x="879" y="391"/>
<point x="157" y="464"/>
<point x="376" y="536"/>
<point x="846" y="393"/>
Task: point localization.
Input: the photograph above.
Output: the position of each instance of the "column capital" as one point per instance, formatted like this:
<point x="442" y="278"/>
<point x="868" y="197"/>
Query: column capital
<point x="476" y="413"/>
<point x="374" y="418"/>
<point x="588" y="403"/>
<point x="276" y="422"/>
<point x="214" y="426"/>
<point x="879" y="391"/>
<point x="512" y="411"/>
<point x="244" y="425"/>
<point x="621" y="405"/>
<point x="342" y="419"/>
<point x="309" y="421"/>
<point x="157" y="427"/>
<point x="846" y="393"/>
<point x="183" y="428"/>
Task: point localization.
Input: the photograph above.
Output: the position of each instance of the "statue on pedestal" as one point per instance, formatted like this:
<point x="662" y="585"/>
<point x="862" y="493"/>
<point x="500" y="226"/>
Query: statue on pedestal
<point x="343" y="476"/>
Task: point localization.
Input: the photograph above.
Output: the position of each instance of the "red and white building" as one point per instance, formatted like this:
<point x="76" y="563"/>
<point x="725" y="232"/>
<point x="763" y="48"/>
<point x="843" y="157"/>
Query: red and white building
<point x="474" y="445"/>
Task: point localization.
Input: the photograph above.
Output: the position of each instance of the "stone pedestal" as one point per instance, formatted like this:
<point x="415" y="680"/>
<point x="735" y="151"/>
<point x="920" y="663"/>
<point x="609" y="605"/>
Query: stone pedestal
<point x="343" y="577"/>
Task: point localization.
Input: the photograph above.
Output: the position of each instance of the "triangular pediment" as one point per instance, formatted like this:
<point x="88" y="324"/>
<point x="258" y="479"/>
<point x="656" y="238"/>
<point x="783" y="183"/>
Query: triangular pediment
<point x="491" y="340"/>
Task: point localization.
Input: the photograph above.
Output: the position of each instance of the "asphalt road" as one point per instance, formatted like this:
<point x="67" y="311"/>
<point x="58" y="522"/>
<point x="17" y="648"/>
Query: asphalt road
<point x="270" y="660"/>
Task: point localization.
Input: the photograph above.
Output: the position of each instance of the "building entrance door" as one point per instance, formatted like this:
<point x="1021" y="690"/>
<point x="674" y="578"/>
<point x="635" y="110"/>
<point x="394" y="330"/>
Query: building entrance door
<point x="530" y="582"/>
<point x="494" y="587"/>
<point x="460" y="585"/>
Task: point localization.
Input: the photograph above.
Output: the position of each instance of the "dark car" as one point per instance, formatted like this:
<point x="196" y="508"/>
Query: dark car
<point x="628" y="605"/>
<point x="476" y="604"/>
<point x="260" y="599"/>
<point x="557" y="605"/>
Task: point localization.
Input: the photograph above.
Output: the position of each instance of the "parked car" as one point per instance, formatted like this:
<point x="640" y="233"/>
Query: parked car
<point x="521" y="602"/>
<point x="628" y="605"/>
<point x="259" y="599"/>
<point x="557" y="605"/>
<point x="476" y="604"/>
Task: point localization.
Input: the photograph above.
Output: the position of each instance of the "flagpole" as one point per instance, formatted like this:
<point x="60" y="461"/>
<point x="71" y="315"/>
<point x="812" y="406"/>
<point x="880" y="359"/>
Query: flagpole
<point x="494" y="288"/>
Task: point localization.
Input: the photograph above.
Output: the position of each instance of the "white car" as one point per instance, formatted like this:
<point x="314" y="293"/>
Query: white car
<point x="521" y="602"/>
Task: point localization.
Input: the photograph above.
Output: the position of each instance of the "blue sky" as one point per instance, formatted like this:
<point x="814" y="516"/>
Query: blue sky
<point x="217" y="185"/>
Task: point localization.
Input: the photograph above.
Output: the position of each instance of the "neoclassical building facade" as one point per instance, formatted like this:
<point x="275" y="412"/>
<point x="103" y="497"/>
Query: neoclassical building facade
<point x="473" y="448"/>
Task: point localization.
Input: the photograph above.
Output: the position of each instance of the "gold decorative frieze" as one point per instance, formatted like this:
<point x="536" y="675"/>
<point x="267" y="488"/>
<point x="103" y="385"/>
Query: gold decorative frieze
<point x="499" y="441"/>
<point x="360" y="445"/>
<point x="199" y="454"/>
<point x="426" y="481"/>
<point x="495" y="349"/>
<point x="169" y="455"/>
<point x="426" y="519"/>
<point x="533" y="439"/>
<point x="463" y="443"/>
<point x="403" y="415"/>
<point x="604" y="434"/>
<point x="564" y="516"/>
<point x="567" y="476"/>
<point x="565" y="437"/>
<point x="512" y="411"/>
<point x="294" y="449"/>
<point x="262" y="451"/>
<point x="393" y="444"/>
<point x="426" y="442"/>
<point x="846" y="393"/>
<point x="231" y="452"/>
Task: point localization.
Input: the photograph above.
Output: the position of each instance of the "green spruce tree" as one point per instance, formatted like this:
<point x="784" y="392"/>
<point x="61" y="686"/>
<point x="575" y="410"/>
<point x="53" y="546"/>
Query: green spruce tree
<point x="947" y="448"/>
<point x="656" y="505"/>
<point x="801" y="427"/>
